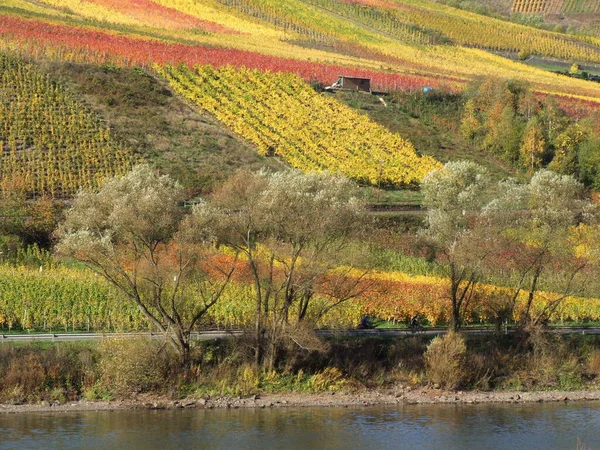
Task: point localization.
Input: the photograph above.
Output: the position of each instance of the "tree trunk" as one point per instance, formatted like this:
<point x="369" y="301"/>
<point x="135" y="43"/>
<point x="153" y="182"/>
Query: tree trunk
<point x="273" y="354"/>
<point x="181" y="342"/>
<point x="454" y="287"/>
<point x="259" y="343"/>
<point x="527" y="316"/>
<point x="186" y="358"/>
<point x="455" y="319"/>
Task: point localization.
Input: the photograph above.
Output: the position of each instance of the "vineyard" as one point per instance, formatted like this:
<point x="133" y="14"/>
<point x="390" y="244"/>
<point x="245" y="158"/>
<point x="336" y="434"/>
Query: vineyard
<point x="280" y="19"/>
<point x="96" y="47"/>
<point x="399" y="296"/>
<point x="51" y="144"/>
<point x="283" y="116"/>
<point x="400" y="45"/>
<point x="61" y="299"/>
<point x="139" y="13"/>
<point x="580" y="6"/>
<point x="472" y="30"/>
<point x="556" y="6"/>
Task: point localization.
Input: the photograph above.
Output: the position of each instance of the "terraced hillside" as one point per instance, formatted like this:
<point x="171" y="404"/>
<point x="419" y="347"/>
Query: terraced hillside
<point x="556" y="6"/>
<point x="51" y="143"/>
<point x="404" y="44"/>
<point x="284" y="116"/>
<point x="225" y="52"/>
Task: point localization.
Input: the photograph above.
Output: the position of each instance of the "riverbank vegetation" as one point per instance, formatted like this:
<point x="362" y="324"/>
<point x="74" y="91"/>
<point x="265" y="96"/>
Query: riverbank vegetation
<point x="125" y="369"/>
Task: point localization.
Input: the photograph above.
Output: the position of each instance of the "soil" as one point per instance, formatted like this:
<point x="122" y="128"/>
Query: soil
<point x="407" y="396"/>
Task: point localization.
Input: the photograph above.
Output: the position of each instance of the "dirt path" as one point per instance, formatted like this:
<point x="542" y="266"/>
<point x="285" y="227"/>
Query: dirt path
<point x="402" y="396"/>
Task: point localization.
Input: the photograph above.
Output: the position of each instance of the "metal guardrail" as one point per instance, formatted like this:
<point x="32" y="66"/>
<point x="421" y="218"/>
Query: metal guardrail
<point x="57" y="337"/>
<point x="221" y="334"/>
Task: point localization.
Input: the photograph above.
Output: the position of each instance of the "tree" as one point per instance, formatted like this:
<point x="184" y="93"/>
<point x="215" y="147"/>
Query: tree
<point x="553" y="119"/>
<point x="454" y="196"/>
<point x="524" y="53"/>
<point x="13" y="207"/>
<point x="129" y="233"/>
<point x="566" y="147"/>
<point x="470" y="124"/>
<point x="538" y="220"/>
<point x="528" y="106"/>
<point x="290" y="228"/>
<point x="588" y="162"/>
<point x="493" y="136"/>
<point x="574" y="69"/>
<point x="533" y="145"/>
<point x="503" y="131"/>
<point x="490" y="92"/>
<point x="31" y="220"/>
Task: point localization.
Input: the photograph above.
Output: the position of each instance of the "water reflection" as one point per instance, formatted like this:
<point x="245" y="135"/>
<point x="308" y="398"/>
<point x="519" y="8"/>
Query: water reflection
<point x="538" y="426"/>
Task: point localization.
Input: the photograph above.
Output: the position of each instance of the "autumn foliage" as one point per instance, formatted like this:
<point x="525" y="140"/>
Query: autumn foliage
<point x="90" y="45"/>
<point x="49" y="140"/>
<point x="285" y="117"/>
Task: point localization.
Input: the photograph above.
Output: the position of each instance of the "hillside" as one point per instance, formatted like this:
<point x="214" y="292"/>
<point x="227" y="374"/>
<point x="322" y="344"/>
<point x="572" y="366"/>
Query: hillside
<point x="283" y="116"/>
<point x="157" y="126"/>
<point x="51" y="143"/>
<point x="574" y="17"/>
<point x="200" y="123"/>
<point x="404" y="44"/>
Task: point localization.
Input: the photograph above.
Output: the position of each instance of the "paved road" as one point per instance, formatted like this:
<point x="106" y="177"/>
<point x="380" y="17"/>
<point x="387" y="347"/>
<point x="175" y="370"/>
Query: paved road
<point x="217" y="334"/>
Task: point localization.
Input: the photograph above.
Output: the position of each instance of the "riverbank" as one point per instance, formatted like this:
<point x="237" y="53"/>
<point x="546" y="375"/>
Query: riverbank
<point x="350" y="372"/>
<point x="406" y="396"/>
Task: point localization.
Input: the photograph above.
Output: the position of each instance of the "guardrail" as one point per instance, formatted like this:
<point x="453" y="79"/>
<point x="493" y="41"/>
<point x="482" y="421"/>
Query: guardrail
<point x="222" y="334"/>
<point x="56" y="337"/>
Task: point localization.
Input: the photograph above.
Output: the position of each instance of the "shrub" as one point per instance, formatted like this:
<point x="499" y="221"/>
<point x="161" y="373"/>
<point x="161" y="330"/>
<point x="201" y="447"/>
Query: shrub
<point x="523" y="54"/>
<point x="130" y="366"/>
<point x="574" y="69"/>
<point x="595" y="362"/>
<point x="247" y="380"/>
<point x="445" y="360"/>
<point x="330" y="379"/>
<point x="34" y="372"/>
<point x="26" y="374"/>
<point x="547" y="361"/>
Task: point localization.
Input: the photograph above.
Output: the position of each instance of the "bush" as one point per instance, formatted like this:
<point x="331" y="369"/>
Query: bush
<point x="523" y="54"/>
<point x="445" y="360"/>
<point x="32" y="372"/>
<point x="131" y="366"/>
<point x="547" y="361"/>
<point x="595" y="362"/>
<point x="26" y="375"/>
<point x="330" y="379"/>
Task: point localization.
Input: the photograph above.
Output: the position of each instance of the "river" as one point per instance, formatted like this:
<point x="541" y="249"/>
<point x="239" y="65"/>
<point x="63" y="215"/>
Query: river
<point x="513" y="426"/>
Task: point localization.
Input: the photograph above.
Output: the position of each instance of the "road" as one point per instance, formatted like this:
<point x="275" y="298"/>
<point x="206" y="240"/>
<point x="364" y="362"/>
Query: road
<point x="222" y="334"/>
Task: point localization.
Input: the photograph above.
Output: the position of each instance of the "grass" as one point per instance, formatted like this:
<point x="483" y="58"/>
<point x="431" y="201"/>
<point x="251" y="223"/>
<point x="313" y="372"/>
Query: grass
<point x="391" y="260"/>
<point x="391" y="197"/>
<point x="560" y="66"/>
<point x="174" y="137"/>
<point x="431" y="122"/>
<point x="587" y="323"/>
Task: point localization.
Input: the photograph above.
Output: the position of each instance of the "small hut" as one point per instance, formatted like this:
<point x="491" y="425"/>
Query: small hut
<point x="345" y="83"/>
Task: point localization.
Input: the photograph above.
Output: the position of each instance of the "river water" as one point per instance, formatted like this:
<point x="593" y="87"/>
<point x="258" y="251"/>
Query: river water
<point x="514" y="426"/>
